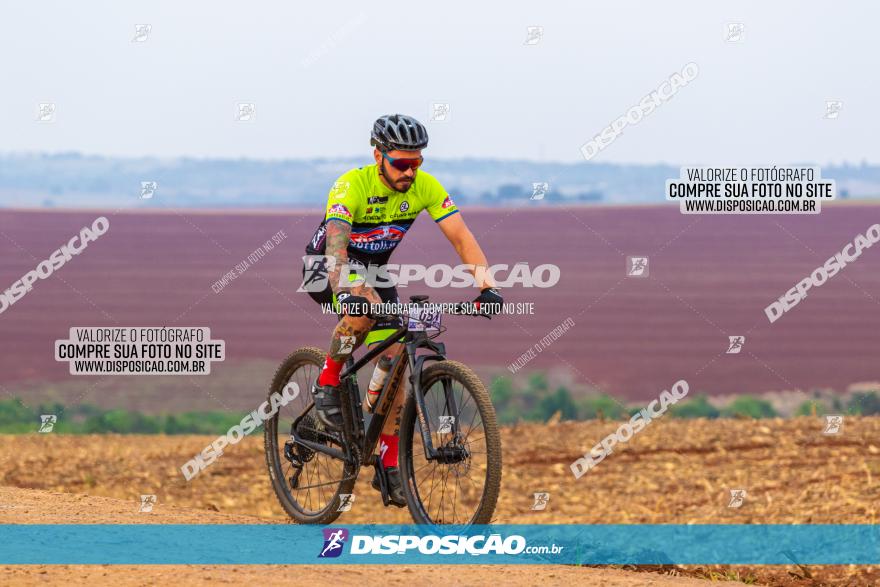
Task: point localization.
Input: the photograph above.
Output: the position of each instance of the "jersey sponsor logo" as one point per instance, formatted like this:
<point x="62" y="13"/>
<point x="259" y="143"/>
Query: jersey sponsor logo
<point x="404" y="206"/>
<point x="377" y="200"/>
<point x="448" y="203"/>
<point x="381" y="233"/>
<point x="340" y="189"/>
<point x="339" y="209"/>
<point x="375" y="246"/>
<point x="318" y="238"/>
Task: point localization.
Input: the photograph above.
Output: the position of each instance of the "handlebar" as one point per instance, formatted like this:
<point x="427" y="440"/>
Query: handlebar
<point x="455" y="309"/>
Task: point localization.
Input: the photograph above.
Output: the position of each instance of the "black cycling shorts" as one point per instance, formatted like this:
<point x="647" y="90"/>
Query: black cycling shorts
<point x="382" y="329"/>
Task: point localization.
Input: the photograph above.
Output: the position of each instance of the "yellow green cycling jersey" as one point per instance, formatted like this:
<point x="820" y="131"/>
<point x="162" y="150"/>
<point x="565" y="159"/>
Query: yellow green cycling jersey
<point x="379" y="216"/>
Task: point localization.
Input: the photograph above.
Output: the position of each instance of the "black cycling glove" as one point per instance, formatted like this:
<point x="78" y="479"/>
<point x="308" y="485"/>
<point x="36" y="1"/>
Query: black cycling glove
<point x="489" y="302"/>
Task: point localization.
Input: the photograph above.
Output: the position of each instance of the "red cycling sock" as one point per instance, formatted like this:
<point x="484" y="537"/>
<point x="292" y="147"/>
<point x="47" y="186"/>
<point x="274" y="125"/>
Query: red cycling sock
<point x="388" y="449"/>
<point x="330" y="373"/>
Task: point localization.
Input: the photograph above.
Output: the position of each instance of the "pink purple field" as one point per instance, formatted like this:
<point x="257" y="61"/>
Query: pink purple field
<point x="710" y="277"/>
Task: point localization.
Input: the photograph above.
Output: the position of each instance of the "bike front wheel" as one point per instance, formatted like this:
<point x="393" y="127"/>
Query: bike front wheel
<point x="462" y="487"/>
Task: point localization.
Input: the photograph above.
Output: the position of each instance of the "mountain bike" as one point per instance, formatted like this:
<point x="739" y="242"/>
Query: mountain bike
<point x="450" y="447"/>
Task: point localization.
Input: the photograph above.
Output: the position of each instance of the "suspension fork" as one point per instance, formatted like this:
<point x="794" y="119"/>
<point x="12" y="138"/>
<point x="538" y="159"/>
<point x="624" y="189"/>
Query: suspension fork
<point x="451" y="407"/>
<point x="416" y="366"/>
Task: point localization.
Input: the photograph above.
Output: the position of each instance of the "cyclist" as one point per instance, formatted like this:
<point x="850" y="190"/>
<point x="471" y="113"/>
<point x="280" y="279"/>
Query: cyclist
<point x="369" y="210"/>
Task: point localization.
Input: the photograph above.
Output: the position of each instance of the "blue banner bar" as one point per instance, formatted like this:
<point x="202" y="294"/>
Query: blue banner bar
<point x="411" y="544"/>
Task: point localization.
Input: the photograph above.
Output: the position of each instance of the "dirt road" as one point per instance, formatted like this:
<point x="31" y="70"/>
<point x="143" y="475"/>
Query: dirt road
<point x="24" y="506"/>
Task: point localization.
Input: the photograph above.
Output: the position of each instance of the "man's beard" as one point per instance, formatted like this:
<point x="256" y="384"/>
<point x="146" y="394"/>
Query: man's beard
<point x="396" y="185"/>
<point x="403" y="184"/>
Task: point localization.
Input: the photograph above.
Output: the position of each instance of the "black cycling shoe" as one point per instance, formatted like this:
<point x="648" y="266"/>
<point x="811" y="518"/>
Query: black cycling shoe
<point x="328" y="406"/>
<point x="395" y="486"/>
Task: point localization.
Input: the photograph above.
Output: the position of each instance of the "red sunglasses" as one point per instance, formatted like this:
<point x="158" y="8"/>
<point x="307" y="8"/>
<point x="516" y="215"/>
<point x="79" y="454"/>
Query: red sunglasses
<point x="404" y="164"/>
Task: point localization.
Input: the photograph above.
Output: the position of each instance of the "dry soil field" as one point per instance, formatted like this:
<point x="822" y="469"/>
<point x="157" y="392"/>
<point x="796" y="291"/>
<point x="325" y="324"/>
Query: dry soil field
<point x="673" y="472"/>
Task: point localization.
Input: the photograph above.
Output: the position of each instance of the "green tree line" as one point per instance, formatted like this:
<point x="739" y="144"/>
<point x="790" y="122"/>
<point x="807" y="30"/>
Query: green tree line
<point x="16" y="418"/>
<point x="538" y="402"/>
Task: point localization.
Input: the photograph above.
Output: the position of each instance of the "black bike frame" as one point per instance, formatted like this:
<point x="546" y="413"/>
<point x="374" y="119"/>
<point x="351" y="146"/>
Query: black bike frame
<point x="352" y="413"/>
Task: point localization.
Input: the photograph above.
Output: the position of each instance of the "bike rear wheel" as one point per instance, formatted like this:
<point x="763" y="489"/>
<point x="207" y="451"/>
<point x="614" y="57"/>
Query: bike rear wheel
<point x="464" y="491"/>
<point x="307" y="483"/>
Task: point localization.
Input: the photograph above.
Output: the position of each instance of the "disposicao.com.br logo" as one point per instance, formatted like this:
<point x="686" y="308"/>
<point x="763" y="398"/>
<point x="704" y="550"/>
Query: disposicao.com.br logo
<point x="334" y="540"/>
<point x="395" y="544"/>
<point x="319" y="268"/>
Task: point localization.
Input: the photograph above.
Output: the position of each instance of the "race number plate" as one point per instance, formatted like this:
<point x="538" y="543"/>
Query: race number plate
<point x="423" y="319"/>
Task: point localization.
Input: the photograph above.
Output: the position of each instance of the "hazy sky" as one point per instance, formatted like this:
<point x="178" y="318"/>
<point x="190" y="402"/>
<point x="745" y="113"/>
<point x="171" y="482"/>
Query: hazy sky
<point x="320" y="72"/>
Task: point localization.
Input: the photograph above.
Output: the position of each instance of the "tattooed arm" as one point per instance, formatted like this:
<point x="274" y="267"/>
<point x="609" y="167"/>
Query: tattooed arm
<point x="342" y="344"/>
<point x="338" y="237"/>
